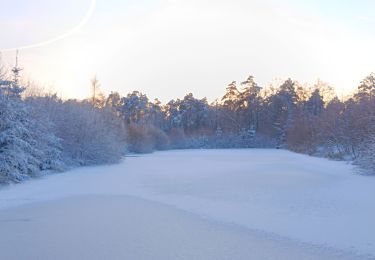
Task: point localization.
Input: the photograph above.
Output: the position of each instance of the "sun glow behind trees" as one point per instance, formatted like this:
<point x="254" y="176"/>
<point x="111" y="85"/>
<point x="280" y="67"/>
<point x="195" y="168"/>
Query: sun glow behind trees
<point x="151" y="45"/>
<point x="42" y="132"/>
<point x="170" y="48"/>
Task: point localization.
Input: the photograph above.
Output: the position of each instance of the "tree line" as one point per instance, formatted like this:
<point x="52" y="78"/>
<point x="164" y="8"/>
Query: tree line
<point x="305" y="119"/>
<point x="41" y="132"/>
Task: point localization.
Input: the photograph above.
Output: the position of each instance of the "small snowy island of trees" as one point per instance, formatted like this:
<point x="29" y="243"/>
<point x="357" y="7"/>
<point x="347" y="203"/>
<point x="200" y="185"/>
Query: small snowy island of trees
<point x="41" y="133"/>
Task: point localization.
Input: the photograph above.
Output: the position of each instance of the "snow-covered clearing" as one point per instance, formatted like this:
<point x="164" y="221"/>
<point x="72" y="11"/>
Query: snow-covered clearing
<point x="197" y="204"/>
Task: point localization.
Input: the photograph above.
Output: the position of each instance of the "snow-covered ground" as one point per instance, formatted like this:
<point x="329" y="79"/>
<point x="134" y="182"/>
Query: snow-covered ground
<point x="196" y="204"/>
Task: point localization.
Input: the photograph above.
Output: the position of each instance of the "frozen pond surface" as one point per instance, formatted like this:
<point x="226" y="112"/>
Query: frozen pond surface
<point x="195" y="204"/>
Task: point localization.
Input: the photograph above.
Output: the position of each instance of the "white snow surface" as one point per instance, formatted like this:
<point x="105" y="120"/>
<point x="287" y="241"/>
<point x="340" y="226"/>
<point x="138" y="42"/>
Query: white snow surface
<point x="260" y="204"/>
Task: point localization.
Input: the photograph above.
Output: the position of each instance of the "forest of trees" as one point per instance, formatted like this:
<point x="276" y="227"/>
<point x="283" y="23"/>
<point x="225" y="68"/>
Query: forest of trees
<point x="41" y="132"/>
<point x="305" y="119"/>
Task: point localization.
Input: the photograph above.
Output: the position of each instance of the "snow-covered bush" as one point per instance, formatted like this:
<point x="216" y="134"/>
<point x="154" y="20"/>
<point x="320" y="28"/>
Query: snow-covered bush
<point x="88" y="135"/>
<point x="146" y="138"/>
<point x="159" y="138"/>
<point x="367" y="155"/>
<point x="27" y="144"/>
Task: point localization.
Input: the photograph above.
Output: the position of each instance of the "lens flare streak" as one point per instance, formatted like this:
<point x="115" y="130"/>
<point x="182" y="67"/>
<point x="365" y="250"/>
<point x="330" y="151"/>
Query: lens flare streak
<point x="85" y="19"/>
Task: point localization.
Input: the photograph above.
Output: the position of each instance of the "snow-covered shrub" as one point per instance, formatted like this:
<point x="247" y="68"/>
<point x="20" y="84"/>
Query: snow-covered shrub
<point x="27" y="144"/>
<point x="177" y="138"/>
<point x="197" y="142"/>
<point x="159" y="138"/>
<point x="88" y="135"/>
<point x="138" y="140"/>
<point x="301" y="137"/>
<point x="244" y="139"/>
<point x="367" y="155"/>
<point x="145" y="138"/>
<point x="263" y="141"/>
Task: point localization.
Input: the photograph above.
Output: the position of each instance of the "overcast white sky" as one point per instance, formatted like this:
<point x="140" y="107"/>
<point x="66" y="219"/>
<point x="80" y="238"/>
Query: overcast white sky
<point x="167" y="48"/>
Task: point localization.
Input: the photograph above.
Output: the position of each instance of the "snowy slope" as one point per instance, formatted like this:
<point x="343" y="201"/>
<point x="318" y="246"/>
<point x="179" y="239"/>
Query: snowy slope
<point x="311" y="202"/>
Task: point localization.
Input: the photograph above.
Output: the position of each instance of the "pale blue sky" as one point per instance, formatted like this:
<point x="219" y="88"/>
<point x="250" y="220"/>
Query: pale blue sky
<point x="356" y="14"/>
<point x="167" y="48"/>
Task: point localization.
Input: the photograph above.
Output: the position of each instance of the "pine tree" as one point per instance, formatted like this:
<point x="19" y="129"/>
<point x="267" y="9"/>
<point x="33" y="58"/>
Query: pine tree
<point x="250" y="103"/>
<point x="315" y="104"/>
<point x="366" y="89"/>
